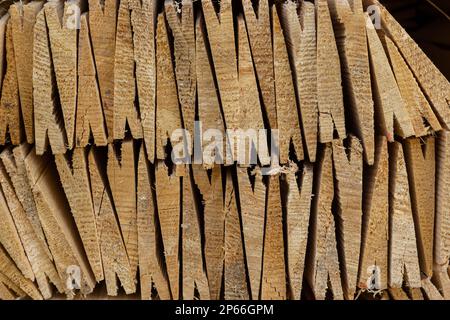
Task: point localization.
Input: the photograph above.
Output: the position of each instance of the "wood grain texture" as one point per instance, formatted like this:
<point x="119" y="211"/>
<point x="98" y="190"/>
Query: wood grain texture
<point x="168" y="195"/>
<point x="287" y="110"/>
<point x="90" y="119"/>
<point x="125" y="108"/>
<point x="323" y="271"/>
<point x="211" y="189"/>
<point x="348" y="172"/>
<point x="116" y="264"/>
<point x="375" y="226"/>
<point x="10" y="122"/>
<point x="103" y="20"/>
<point x="298" y="208"/>
<point x="403" y="255"/>
<point x="143" y="15"/>
<point x="63" y="37"/>
<point x="122" y="180"/>
<point x="48" y="122"/>
<point x="151" y="266"/>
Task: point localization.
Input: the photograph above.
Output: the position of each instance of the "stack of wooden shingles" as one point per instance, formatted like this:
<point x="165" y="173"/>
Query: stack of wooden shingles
<point x="88" y="106"/>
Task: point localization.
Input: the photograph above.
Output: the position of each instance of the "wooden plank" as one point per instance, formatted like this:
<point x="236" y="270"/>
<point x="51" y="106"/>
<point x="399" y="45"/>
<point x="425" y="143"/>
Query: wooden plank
<point x="48" y="125"/>
<point x="103" y="20"/>
<point x="23" y="17"/>
<point x="5" y="294"/>
<point x="63" y="42"/>
<point x="90" y="119"/>
<point x="298" y="208"/>
<point x="389" y="104"/>
<point x="373" y="268"/>
<point x="323" y="272"/>
<point x="257" y="18"/>
<point x="143" y="17"/>
<point x="273" y="283"/>
<point x="41" y="263"/>
<point x="209" y="112"/>
<point x="151" y="270"/>
<point x="125" y="109"/>
<point x="234" y="271"/>
<point x="214" y="225"/>
<point x="57" y="222"/>
<point x="11" y="286"/>
<point x="398" y="294"/>
<point x="219" y="26"/>
<point x="287" y="111"/>
<point x="14" y="162"/>
<point x="433" y="83"/>
<point x="252" y="197"/>
<point x="299" y="26"/>
<point x="10" y="240"/>
<point x="431" y="292"/>
<point x="249" y="116"/>
<point x="116" y="265"/>
<point x="418" y="107"/>
<point x="168" y="194"/>
<point x="10" y="121"/>
<point x="403" y="255"/>
<point x="329" y="88"/>
<point x="10" y="271"/>
<point x="420" y="163"/>
<point x="194" y="276"/>
<point x="349" y="26"/>
<point x="122" y="180"/>
<point x="3" y="22"/>
<point x="180" y="17"/>
<point x="168" y="115"/>
<point x="74" y="176"/>
<point x="442" y="219"/>
<point x="348" y="171"/>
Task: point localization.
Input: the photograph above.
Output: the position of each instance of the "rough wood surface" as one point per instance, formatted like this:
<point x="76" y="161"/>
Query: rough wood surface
<point x="125" y="108"/>
<point x="420" y="163"/>
<point x="298" y="208"/>
<point x="10" y="121"/>
<point x="273" y="283"/>
<point x="41" y="262"/>
<point x="143" y="16"/>
<point x="442" y="228"/>
<point x="329" y="88"/>
<point x="234" y="271"/>
<point x="168" y="115"/>
<point x="287" y="109"/>
<point x="373" y="268"/>
<point x="422" y="116"/>
<point x="3" y="22"/>
<point x="323" y="270"/>
<point x="209" y="111"/>
<point x="122" y="180"/>
<point x="152" y="274"/>
<point x="348" y="171"/>
<point x="299" y="24"/>
<point x="180" y="17"/>
<point x="23" y="18"/>
<point x="430" y="290"/>
<point x="90" y="118"/>
<point x="194" y="276"/>
<point x="74" y="176"/>
<point x="63" y="36"/>
<point x="168" y="195"/>
<point x="403" y="255"/>
<point x="116" y="265"/>
<point x="389" y="104"/>
<point x="48" y="122"/>
<point x="211" y="190"/>
<point x="349" y="27"/>
<point x="103" y="20"/>
<point x="257" y="20"/>
<point x="57" y="222"/>
<point x="14" y="162"/>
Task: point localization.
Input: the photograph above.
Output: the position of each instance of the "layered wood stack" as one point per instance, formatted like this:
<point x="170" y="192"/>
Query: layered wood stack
<point x="355" y="203"/>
